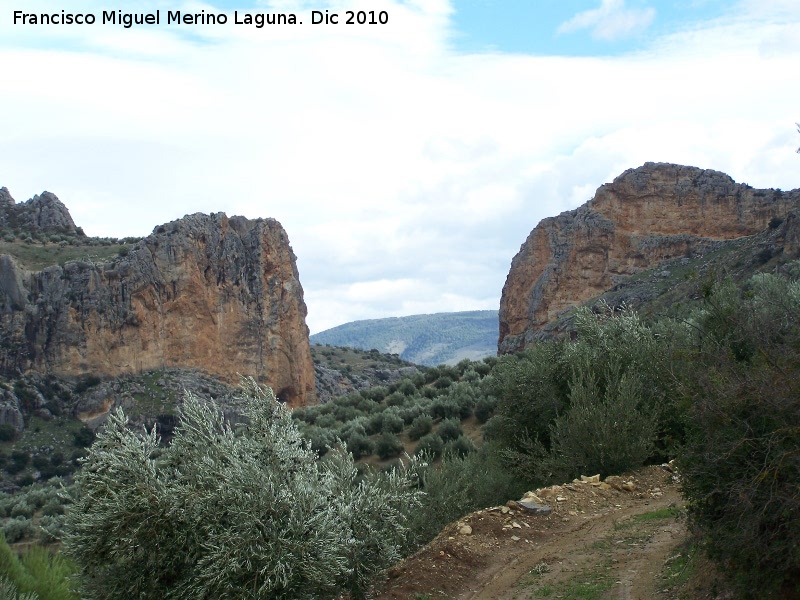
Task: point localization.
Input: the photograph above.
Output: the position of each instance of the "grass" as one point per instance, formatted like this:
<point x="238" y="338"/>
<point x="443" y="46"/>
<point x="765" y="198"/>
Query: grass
<point x="155" y="400"/>
<point x="37" y="256"/>
<point x="40" y="432"/>
<point x="656" y="515"/>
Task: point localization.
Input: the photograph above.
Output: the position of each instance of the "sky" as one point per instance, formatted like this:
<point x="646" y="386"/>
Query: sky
<point x="407" y="161"/>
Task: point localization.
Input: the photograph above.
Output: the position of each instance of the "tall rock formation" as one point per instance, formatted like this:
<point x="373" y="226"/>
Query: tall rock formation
<point x="646" y="215"/>
<point x="45" y="213"/>
<point x="207" y="291"/>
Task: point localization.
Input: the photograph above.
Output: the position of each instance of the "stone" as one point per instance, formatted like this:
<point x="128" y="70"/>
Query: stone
<point x="465" y="530"/>
<point x="535" y="508"/>
<point x="205" y="292"/>
<point x="646" y="215"/>
<point x="592" y="479"/>
<point x="531" y="497"/>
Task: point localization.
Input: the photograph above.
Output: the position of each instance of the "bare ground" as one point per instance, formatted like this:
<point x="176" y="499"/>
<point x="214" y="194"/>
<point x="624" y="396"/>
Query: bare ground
<point x="599" y="542"/>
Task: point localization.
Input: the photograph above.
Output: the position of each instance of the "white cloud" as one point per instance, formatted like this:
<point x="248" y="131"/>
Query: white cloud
<point x="406" y="176"/>
<point x="611" y="21"/>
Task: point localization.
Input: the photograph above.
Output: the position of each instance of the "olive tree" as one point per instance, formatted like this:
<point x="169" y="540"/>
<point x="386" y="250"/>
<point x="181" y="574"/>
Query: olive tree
<point x="231" y="513"/>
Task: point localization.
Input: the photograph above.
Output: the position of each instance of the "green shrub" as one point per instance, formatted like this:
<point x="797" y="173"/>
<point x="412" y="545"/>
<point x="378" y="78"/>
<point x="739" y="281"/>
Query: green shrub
<point x="7" y="432"/>
<point x="460" y="447"/>
<point x="420" y="426"/>
<point x="430" y="392"/>
<point x="392" y="423"/>
<point x="38" y="574"/>
<point x="86" y="382"/>
<point x="388" y="445"/>
<point x="407" y="387"/>
<point x="449" y="429"/>
<point x="19" y="460"/>
<point x="17" y="528"/>
<point x="359" y="445"/>
<point x="24" y="480"/>
<point x="83" y="437"/>
<point x="484" y="408"/>
<point x="606" y="432"/>
<point x="443" y="383"/>
<point x="51" y="528"/>
<point x="460" y="485"/>
<point x="741" y="463"/>
<point x="224" y="514"/>
<point x="22" y="509"/>
<point x="431" y="445"/>
<point x="374" y="424"/>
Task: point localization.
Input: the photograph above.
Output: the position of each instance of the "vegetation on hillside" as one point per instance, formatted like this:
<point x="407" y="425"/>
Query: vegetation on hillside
<point x="442" y="338"/>
<point x="222" y="511"/>
<point x="37" y="250"/>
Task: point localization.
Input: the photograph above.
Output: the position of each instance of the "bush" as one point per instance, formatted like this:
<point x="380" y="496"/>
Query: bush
<point x="741" y="463"/>
<point x="218" y="514"/>
<point x="604" y="402"/>
<point x="460" y="447"/>
<point x="86" y="382"/>
<point x="407" y="387"/>
<point x="36" y="575"/>
<point x="484" y="408"/>
<point x="460" y="485"/>
<point x="359" y="445"/>
<point x="16" y="529"/>
<point x="420" y="426"/>
<point x="19" y="460"/>
<point x="388" y="445"/>
<point x="431" y="445"/>
<point x="449" y="429"/>
<point x="392" y="423"/>
<point x="7" y="432"/>
<point x="606" y="433"/>
<point x="22" y="509"/>
<point x="443" y="383"/>
<point x="83" y="438"/>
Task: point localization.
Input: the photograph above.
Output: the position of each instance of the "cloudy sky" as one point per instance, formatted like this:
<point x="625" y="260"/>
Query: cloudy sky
<point x="407" y="161"/>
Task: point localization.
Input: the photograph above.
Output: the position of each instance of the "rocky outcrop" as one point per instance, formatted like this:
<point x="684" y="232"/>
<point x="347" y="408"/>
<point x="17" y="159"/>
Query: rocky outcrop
<point x="41" y="214"/>
<point x="646" y="215"/>
<point x="205" y="292"/>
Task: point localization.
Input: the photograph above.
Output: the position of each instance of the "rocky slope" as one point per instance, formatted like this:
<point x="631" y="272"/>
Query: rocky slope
<point x="40" y="213"/>
<point x="205" y="292"/>
<point x="655" y="213"/>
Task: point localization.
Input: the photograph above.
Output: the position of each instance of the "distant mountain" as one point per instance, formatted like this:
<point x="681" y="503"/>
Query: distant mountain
<point x="441" y="338"/>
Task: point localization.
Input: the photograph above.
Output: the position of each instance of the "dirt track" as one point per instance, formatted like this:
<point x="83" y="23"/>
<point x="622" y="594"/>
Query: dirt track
<point x="609" y="541"/>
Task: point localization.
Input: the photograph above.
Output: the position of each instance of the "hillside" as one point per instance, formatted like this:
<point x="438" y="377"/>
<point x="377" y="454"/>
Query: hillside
<point x="440" y="338"/>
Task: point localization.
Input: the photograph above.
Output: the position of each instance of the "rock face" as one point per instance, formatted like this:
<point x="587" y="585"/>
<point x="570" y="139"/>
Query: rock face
<point x="39" y="214"/>
<point x="207" y="292"/>
<point x="653" y="213"/>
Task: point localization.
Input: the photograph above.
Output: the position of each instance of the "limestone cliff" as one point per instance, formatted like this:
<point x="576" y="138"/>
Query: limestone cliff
<point x="44" y="213"/>
<point x="207" y="291"/>
<point x="645" y="216"/>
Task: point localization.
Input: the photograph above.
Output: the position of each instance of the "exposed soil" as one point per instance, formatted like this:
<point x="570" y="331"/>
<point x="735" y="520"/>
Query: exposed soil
<point x="600" y="541"/>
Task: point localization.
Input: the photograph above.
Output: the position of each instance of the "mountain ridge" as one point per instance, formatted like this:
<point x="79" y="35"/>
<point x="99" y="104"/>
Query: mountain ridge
<point x="425" y="339"/>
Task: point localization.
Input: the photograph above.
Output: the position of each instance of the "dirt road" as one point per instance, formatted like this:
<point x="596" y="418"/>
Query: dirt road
<point x="601" y="541"/>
